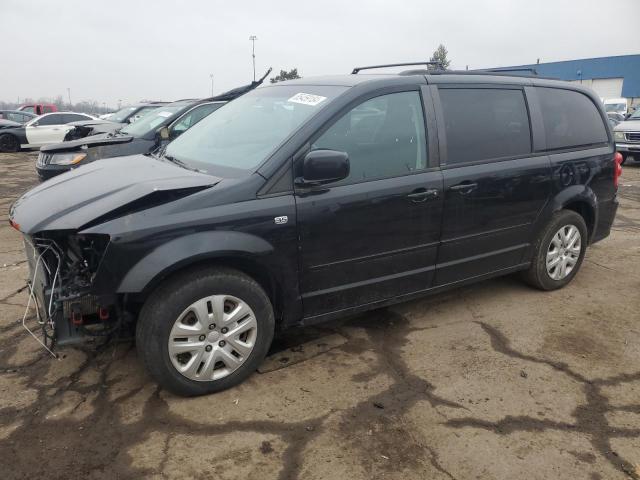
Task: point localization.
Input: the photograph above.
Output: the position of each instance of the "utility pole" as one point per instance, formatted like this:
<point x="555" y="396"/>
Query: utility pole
<point x="253" y="39"/>
<point x="69" y="93"/>
<point x="211" y="76"/>
<point x="119" y="103"/>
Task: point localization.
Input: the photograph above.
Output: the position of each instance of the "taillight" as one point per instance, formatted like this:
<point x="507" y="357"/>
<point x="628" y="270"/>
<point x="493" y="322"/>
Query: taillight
<point x="617" y="159"/>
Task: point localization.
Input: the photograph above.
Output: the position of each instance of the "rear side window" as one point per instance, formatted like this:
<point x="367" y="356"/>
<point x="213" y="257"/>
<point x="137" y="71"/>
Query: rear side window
<point x="72" y="117"/>
<point x="484" y="123"/>
<point x="570" y="119"/>
<point x="53" y="119"/>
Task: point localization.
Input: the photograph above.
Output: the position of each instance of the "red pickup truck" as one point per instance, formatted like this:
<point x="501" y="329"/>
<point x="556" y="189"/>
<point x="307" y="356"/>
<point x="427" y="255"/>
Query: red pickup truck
<point x="38" y="108"/>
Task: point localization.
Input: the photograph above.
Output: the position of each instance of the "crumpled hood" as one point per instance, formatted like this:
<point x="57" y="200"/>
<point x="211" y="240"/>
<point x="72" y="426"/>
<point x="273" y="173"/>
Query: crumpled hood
<point x="72" y="200"/>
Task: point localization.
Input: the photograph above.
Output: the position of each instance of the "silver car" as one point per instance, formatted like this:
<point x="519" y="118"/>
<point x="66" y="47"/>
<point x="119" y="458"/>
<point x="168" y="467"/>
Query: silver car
<point x="627" y="137"/>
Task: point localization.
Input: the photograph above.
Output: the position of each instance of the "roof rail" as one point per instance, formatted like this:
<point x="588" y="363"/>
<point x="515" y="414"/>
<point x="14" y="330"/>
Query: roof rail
<point x="533" y="71"/>
<point x="437" y="64"/>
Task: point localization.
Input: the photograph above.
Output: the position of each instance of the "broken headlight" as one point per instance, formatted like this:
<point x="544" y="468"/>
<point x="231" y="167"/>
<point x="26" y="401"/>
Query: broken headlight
<point x="71" y="158"/>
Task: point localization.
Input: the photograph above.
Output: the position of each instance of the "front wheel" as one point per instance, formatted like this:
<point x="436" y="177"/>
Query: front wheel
<point x="204" y="331"/>
<point x="558" y="251"/>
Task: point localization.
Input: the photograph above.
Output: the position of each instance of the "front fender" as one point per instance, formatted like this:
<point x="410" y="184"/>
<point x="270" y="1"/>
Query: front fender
<point x="179" y="252"/>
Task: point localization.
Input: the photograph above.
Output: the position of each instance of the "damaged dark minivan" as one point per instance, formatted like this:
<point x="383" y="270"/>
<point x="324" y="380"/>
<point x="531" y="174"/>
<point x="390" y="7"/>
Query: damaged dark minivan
<point x="311" y="199"/>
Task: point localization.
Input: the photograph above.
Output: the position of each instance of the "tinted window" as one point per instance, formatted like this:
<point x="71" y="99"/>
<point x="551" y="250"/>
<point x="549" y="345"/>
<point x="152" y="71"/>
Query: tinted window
<point x="485" y="123"/>
<point x="570" y="119"/>
<point x="72" y="117"/>
<point x="53" y="119"/>
<point x="384" y="137"/>
<point x="29" y="109"/>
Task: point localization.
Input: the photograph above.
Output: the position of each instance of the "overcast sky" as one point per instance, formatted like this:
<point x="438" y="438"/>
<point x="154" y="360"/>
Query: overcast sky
<point x="166" y="49"/>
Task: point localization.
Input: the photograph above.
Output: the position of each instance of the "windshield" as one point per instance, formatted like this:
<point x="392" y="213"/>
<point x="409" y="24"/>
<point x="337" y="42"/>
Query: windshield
<point x="241" y="134"/>
<point x="615" y="107"/>
<point x="635" y="115"/>
<point x="122" y="114"/>
<point x="152" y="120"/>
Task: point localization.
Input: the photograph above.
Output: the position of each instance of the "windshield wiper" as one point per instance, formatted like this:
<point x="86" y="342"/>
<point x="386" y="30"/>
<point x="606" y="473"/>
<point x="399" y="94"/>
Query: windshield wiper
<point x="180" y="163"/>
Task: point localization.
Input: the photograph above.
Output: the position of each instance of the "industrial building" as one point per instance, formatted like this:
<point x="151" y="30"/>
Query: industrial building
<point x="610" y="77"/>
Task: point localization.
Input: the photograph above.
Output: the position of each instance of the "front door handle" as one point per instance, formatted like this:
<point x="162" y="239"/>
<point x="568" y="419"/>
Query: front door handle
<point x="422" y="195"/>
<point x="464" y="188"/>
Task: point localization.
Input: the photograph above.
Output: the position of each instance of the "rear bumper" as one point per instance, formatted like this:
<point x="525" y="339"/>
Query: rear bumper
<point x="606" y="215"/>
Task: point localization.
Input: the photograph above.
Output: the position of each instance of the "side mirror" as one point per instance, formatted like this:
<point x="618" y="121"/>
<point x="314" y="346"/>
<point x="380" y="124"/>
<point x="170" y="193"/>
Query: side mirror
<point x="324" y="166"/>
<point x="164" y="133"/>
<point x="35" y="124"/>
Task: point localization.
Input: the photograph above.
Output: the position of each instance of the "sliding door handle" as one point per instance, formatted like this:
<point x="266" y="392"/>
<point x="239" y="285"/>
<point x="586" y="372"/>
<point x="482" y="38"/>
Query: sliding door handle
<point x="464" y="187"/>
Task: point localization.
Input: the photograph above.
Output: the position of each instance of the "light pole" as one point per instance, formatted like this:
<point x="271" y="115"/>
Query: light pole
<point x="119" y="103"/>
<point x="211" y="77"/>
<point x="253" y="39"/>
<point x="69" y="93"/>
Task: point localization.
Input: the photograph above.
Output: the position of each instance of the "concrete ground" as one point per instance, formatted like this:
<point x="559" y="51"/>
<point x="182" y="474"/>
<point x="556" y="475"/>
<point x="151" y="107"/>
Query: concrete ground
<point x="492" y="381"/>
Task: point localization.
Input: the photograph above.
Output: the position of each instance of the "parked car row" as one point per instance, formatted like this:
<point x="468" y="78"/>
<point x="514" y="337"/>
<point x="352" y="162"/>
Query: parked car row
<point x="311" y="199"/>
<point x="39" y="131"/>
<point x="113" y="122"/>
<point x="148" y="135"/>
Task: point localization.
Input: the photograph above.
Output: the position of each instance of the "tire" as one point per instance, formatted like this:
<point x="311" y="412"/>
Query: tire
<point x="624" y="158"/>
<point x="169" y="311"/>
<point x="9" y="143"/>
<point x="538" y="275"/>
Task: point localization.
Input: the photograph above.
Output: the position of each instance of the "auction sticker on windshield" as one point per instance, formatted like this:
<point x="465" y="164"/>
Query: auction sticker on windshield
<point x="164" y="114"/>
<point x="307" y="99"/>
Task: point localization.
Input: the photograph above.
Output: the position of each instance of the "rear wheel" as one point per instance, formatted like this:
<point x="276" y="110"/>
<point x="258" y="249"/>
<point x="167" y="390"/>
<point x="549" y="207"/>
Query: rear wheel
<point x="9" y="143"/>
<point x="205" y="331"/>
<point x="558" y="251"/>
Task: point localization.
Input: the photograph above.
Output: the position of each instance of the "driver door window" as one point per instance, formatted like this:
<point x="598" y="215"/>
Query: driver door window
<point x="384" y="137"/>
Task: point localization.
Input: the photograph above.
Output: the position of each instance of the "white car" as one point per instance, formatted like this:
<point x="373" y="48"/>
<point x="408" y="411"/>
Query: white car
<point x="42" y="130"/>
<point x="616" y="105"/>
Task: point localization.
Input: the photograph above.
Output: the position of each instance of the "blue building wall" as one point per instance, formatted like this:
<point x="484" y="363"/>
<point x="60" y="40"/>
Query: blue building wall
<point x="623" y="66"/>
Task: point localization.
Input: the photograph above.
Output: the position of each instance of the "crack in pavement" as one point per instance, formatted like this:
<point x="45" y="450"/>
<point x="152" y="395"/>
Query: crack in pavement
<point x="107" y="435"/>
<point x="590" y="417"/>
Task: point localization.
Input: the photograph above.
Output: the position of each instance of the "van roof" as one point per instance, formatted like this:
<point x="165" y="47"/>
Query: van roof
<point x="430" y="77"/>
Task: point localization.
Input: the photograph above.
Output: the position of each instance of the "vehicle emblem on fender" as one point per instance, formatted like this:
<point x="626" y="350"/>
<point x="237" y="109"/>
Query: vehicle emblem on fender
<point x="281" y="220"/>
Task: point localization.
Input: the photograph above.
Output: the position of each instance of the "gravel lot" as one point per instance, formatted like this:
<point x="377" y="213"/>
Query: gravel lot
<point x="492" y="381"/>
